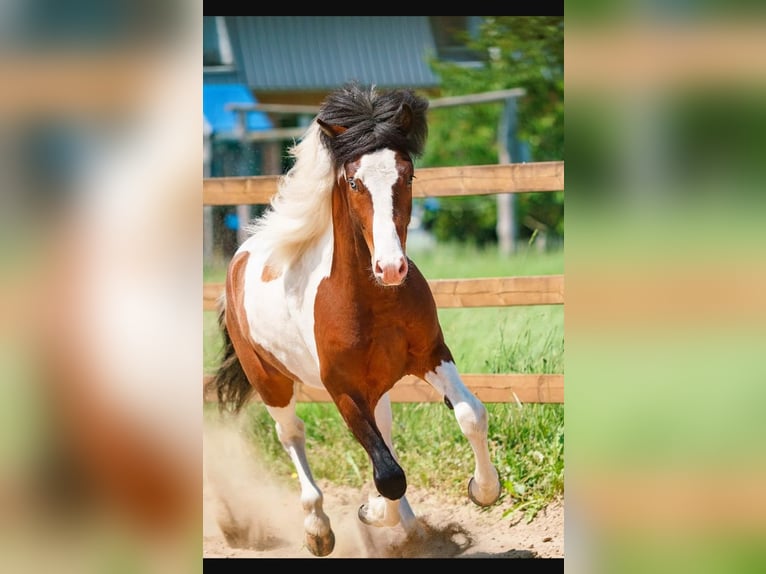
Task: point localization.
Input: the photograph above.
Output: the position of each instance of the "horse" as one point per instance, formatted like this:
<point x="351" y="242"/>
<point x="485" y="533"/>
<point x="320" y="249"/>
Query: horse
<point x="323" y="294"/>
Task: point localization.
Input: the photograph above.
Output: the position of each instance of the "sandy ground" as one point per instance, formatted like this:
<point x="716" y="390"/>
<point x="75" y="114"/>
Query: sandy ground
<point x="264" y="518"/>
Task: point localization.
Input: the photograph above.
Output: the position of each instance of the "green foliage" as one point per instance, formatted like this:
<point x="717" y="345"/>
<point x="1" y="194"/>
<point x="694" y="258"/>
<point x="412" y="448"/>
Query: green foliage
<point x="528" y="443"/>
<point x="521" y="52"/>
<point x="469" y="220"/>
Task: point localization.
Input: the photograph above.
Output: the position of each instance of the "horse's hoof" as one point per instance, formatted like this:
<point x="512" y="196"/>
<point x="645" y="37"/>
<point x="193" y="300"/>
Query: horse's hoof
<point x="362" y="514"/>
<point x="478" y="502"/>
<point x="374" y="514"/>
<point x="321" y="545"/>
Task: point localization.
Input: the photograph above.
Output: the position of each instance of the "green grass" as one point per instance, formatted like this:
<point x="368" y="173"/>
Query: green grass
<point x="466" y="261"/>
<point x="526" y="441"/>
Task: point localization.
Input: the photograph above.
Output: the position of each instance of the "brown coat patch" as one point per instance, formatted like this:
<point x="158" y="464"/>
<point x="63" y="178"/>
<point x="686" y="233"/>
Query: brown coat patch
<point x="269" y="377"/>
<point x="269" y="273"/>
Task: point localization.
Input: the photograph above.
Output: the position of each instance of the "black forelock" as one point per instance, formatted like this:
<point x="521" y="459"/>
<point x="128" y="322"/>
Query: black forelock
<point x="370" y="118"/>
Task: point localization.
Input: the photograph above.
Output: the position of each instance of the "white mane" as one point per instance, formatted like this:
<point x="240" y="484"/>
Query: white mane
<point x="301" y="210"/>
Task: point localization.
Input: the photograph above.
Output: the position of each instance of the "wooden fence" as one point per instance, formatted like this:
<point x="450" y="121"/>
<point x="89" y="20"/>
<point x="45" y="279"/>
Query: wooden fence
<point x="489" y="292"/>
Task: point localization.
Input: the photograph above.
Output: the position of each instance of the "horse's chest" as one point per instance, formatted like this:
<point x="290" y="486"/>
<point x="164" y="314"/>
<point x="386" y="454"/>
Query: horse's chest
<point x="355" y="336"/>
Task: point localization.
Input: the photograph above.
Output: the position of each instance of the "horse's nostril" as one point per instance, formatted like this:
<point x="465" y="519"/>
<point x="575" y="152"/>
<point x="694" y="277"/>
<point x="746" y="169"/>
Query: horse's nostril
<point x="377" y="267"/>
<point x="403" y="267"/>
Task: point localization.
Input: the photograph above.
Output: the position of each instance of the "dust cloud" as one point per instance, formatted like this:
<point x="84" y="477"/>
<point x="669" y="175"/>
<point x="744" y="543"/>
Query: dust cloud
<point x="249" y="512"/>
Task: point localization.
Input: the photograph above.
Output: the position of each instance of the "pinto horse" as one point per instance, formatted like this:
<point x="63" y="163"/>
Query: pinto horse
<point x="322" y="293"/>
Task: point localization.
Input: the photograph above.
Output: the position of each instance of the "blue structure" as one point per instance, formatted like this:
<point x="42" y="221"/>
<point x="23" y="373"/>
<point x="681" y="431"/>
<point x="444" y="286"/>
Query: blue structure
<point x="223" y="122"/>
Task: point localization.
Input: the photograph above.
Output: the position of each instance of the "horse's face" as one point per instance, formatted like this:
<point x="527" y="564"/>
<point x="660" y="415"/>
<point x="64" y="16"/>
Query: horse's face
<point x="378" y="187"/>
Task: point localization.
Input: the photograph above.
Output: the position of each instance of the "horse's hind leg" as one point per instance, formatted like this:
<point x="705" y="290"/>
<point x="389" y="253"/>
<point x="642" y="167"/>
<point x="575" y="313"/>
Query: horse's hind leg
<point x="471" y="415"/>
<point x="380" y="511"/>
<point x="320" y="538"/>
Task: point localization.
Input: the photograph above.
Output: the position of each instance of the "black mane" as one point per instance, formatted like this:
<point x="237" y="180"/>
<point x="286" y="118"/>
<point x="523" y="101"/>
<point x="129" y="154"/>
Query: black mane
<point x="371" y="121"/>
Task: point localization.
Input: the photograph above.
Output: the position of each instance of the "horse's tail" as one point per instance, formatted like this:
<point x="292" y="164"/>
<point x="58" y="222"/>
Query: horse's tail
<point x="229" y="382"/>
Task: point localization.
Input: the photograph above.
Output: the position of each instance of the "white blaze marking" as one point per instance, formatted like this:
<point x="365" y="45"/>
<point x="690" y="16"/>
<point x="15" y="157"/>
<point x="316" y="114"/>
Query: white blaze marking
<point x="378" y="172"/>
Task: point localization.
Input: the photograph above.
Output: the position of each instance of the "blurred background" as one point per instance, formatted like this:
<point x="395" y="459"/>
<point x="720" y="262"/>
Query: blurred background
<point x="665" y="275"/>
<point x="100" y="257"/>
<point x="102" y="247"/>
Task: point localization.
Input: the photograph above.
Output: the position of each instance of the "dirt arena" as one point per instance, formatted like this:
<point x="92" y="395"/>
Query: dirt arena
<point x="264" y="519"/>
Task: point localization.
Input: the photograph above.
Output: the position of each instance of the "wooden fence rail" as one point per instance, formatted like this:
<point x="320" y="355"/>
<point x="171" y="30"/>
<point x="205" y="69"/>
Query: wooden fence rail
<point x="448" y="293"/>
<point x="451" y="293"/>
<point x="429" y="182"/>
<point x="500" y="388"/>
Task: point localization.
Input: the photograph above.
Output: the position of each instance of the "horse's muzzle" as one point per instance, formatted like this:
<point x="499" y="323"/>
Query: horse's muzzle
<point x="392" y="275"/>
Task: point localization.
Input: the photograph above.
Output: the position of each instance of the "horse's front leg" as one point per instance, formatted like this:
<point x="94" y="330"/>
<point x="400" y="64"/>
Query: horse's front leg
<point x="320" y="538"/>
<point x="471" y="415"/>
<point x="381" y="511"/>
<point x="391" y="507"/>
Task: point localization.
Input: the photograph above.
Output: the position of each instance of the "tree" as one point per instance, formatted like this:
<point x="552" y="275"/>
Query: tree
<point x="514" y="51"/>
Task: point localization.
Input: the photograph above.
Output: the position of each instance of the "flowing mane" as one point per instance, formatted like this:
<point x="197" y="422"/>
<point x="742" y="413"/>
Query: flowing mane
<point x="371" y="121"/>
<point x="301" y="211"/>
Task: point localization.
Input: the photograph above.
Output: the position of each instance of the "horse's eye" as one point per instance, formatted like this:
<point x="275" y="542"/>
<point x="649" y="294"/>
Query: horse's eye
<point x="352" y="183"/>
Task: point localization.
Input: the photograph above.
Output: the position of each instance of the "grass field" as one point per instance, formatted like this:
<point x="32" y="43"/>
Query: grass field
<point x="526" y="441"/>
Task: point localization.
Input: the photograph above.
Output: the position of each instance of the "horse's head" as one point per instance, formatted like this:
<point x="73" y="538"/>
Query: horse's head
<point x="378" y="187"/>
<point x="378" y="191"/>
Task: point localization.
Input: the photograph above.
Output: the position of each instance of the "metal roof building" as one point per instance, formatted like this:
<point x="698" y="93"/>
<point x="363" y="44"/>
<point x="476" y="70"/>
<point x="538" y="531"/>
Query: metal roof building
<point x="298" y="59"/>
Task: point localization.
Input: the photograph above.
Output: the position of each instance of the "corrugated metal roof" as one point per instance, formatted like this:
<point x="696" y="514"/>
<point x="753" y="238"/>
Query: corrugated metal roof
<point x="323" y="52"/>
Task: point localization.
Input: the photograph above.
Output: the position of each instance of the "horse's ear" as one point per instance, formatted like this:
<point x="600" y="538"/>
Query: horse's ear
<point x="404" y="117"/>
<point x="331" y="130"/>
